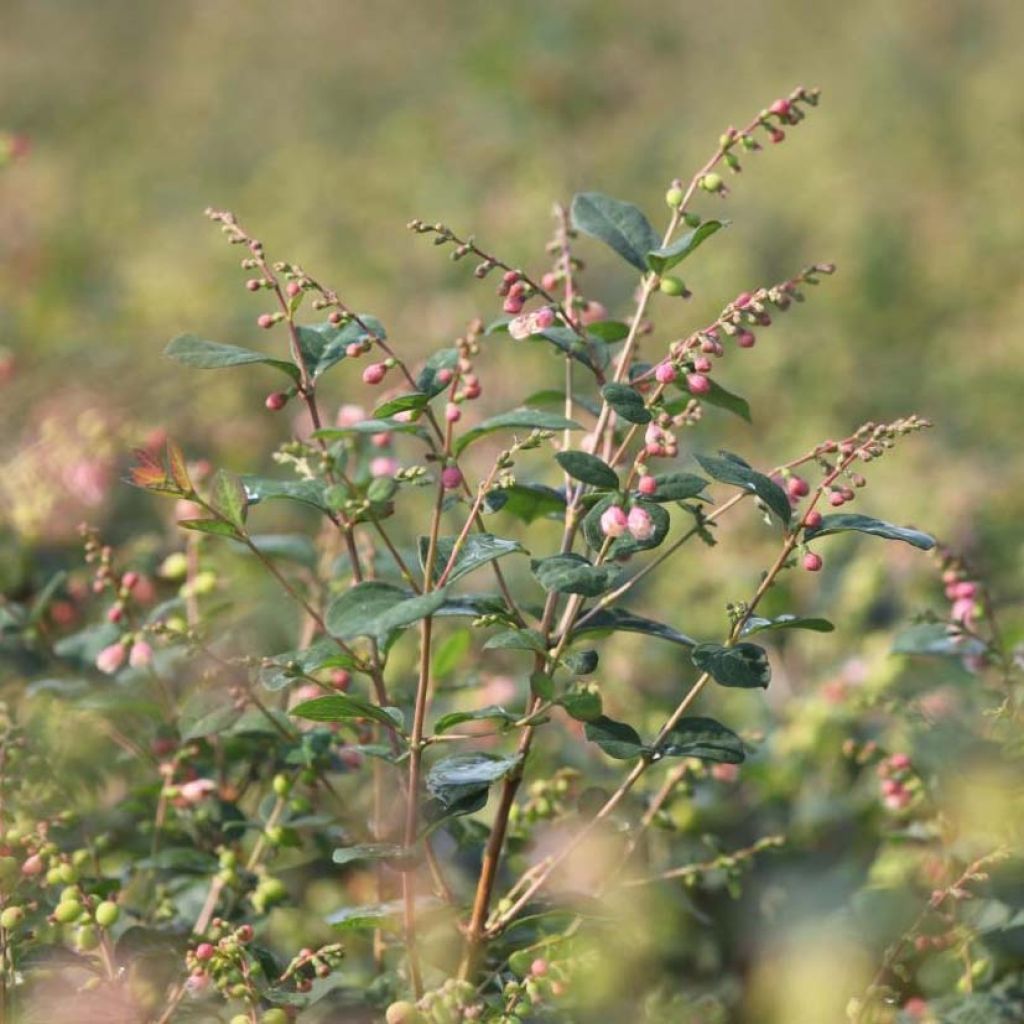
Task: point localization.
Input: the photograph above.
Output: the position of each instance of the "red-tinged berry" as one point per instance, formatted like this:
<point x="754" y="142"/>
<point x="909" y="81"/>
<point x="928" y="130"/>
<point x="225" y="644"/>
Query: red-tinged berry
<point x="702" y="364"/>
<point x="549" y="282"/>
<point x="835" y="499"/>
<point x="452" y="413"/>
<point x="543" y="319"/>
<point x="965" y="591"/>
<point x="513" y="305"/>
<point x="813" y="518"/>
<point x="293" y="288"/>
<point x="780" y="108"/>
<point x="205" y="951"/>
<point x="254" y="284"/>
<point x="697" y="383"/>
<point x="746" y="339"/>
<point x="276" y="401"/>
<point x="266" y="320"/>
<point x="812" y="562"/>
<point x="777" y="135"/>
<point x="647" y="485"/>
<point x="451" y="478"/>
<point x="335" y="317"/>
<point x="130" y="580"/>
<point x="797" y="487"/>
<point x="665" y="373"/>
<point x="444" y="376"/>
<point x="539" y="967"/>
<point x="354" y="349"/>
<point x="341" y="679"/>
<point x="510" y="277"/>
<point x="374" y="373"/>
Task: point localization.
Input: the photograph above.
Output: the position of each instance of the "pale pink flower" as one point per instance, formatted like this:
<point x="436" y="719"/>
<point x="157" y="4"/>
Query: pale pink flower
<point x="640" y="525"/>
<point x="383" y="465"/>
<point x="195" y="790"/>
<point x="111" y="658"/>
<point x="614" y="521"/>
<point x="141" y="654"/>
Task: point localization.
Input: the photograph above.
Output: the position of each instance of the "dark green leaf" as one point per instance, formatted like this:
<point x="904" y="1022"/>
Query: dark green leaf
<point x="342" y="707"/>
<point x="703" y="738"/>
<point x="934" y="638"/>
<point x="517" y="640"/>
<point x="566" y="340"/>
<point x="323" y="345"/>
<point x="477" y="549"/>
<point x="583" y="705"/>
<point x="517" y="419"/>
<point x="581" y="663"/>
<point x="277" y="673"/>
<point x="189" y="350"/>
<point x="227" y="496"/>
<point x="677" y="487"/>
<point x="306" y="492"/>
<point x="491" y="713"/>
<point x="402" y="403"/>
<point x="617" y="619"/>
<point x="460" y="783"/>
<point x="368" y="426"/>
<point x="844" y="522"/>
<point x="665" y="257"/>
<point x="726" y="400"/>
<point x="573" y="574"/>
<point x="526" y="502"/>
<point x="620" y="225"/>
<point x="588" y="468"/>
<point x="217" y="527"/>
<point x="627" y="402"/>
<point x="542" y="685"/>
<point x="616" y="739"/>
<point x="356" y="612"/>
<point x="206" y="712"/>
<point x="292" y="547"/>
<point x="756" y="624"/>
<point x="609" y="331"/>
<point x="392" y="852"/>
<point x="428" y="382"/>
<point x="729" y="469"/>
<point x="744" y="665"/>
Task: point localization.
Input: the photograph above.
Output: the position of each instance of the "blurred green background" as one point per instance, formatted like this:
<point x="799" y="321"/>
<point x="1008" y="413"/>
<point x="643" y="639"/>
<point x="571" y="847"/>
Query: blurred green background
<point x="326" y="126"/>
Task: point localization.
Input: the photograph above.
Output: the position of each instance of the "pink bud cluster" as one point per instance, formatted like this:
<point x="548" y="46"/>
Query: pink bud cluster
<point x="963" y="596"/>
<point x="514" y="290"/>
<point x="615" y="522"/>
<point x="894" y="773"/>
<point x="659" y="441"/>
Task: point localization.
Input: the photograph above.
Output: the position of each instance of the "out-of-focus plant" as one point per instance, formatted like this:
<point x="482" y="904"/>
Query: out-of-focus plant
<point x="335" y="754"/>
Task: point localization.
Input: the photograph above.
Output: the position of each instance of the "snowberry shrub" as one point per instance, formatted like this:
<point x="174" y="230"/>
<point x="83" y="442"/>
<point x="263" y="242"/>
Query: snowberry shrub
<point x="263" y="762"/>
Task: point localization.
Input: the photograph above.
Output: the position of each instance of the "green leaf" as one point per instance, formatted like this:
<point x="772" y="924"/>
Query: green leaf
<point x="665" y="257"/>
<point x="323" y="345"/>
<point x="217" y="527"/>
<point x="411" y="610"/>
<point x="627" y="402"/>
<point x="583" y="705"/>
<point x="517" y="640"/>
<point x="620" y="225"/>
<point x="588" y="468"/>
<point x="616" y="739"/>
<point x="573" y="574"/>
<point x="306" y="492"/>
<point x="292" y="547"/>
<point x="724" y="399"/>
<point x="526" y="502"/>
<point x="756" y="624"/>
<point x="517" y="419"/>
<point x="706" y="739"/>
<point x="566" y="340"/>
<point x="228" y="497"/>
<point x="398" y="856"/>
<point x="402" y="403"/>
<point x="190" y="350"/>
<point x="205" y="713"/>
<point x="357" y="611"/>
<point x="581" y="663"/>
<point x="677" y="487"/>
<point x="730" y="469"/>
<point x="428" y="382"/>
<point x="844" y="522"/>
<point x="378" y="915"/>
<point x="744" y="665"/>
<point x="477" y="549"/>
<point x="542" y="685"/>
<point x="276" y="674"/>
<point x="618" y="619"/>
<point x="450" y="652"/>
<point x="934" y="638"/>
<point x="368" y="426"/>
<point x="609" y="331"/>
<point x="460" y="783"/>
<point x="491" y="713"/>
<point x="342" y="707"/>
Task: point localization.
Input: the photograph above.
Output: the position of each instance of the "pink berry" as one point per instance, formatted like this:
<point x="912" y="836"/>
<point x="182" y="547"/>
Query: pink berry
<point x="513" y="304"/>
<point x="549" y="282"/>
<point x="698" y="384"/>
<point x="614" y="521"/>
<point x="471" y="391"/>
<point x="340" y="679"/>
<point x="593" y="312"/>
<point x="381" y="440"/>
<point x="444" y="376"/>
<point x="835" y="499"/>
<point x="451" y="477"/>
<point x="33" y="865"/>
<point x="812" y="562"/>
<point x="111" y="658"/>
<point x="665" y="373"/>
<point x="276" y="401"/>
<point x="115" y="613"/>
<point x="780" y="108"/>
<point x="452" y="413"/>
<point x="374" y="373"/>
<point x="265" y="320"/>
<point x="335" y="317"/>
<point x="384" y="465"/>
<point x="510" y="277"/>
<point x="539" y="967"/>
<point x="141" y="654"/>
<point x="354" y="349"/>
<point x="702" y="364"/>
<point x="205" y="951"/>
<point x="293" y="288"/>
<point x="746" y="339"/>
<point x="813" y="518"/>
<point x="965" y="591"/>
<point x="890" y="787"/>
<point x="743" y="299"/>
<point x="777" y="135"/>
<point x="899" y="762"/>
<point x="129" y="580"/>
<point x="647" y="485"/>
<point x="640" y="525"/>
<point x="254" y="284"/>
<point x="797" y="487"/>
<point x="544" y="318"/>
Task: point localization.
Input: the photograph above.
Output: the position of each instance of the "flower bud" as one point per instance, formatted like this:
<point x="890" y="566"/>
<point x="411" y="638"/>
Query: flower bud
<point x="452" y="413"/>
<point x="374" y="373"/>
<point x="451" y="478"/>
<point x="141" y="654"/>
<point x="665" y="373"/>
<point x="276" y="401"/>
<point x="640" y="525"/>
<point x="812" y="562"/>
<point x="746" y="339"/>
<point x="111" y="658"/>
<point x="647" y="485"/>
<point x="266" y="320"/>
<point x="698" y="384"/>
<point x="614" y="521"/>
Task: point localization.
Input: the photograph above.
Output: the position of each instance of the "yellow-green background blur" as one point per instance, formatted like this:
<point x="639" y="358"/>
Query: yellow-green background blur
<point x="326" y="126"/>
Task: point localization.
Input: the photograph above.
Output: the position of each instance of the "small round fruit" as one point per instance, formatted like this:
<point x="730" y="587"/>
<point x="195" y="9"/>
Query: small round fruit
<point x="275" y="1015"/>
<point x="403" y="1012"/>
<point x="674" y="197"/>
<point x="86" y="938"/>
<point x="812" y="562"/>
<point x="712" y="182"/>
<point x="282" y="785"/>
<point x="11" y="917"/>
<point x="68" y="911"/>
<point x="107" y="914"/>
<point x="672" y="286"/>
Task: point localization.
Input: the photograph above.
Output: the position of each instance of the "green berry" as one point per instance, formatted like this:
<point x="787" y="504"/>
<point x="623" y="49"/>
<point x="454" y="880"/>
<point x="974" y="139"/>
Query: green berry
<point x="403" y="1012"/>
<point x="86" y="938"/>
<point x="275" y="835"/>
<point x="68" y="874"/>
<point x="68" y="911"/>
<point x="691" y="220"/>
<point x="11" y="917"/>
<point x="712" y="182"/>
<point x="274" y="1016"/>
<point x="272" y="889"/>
<point x="53" y="876"/>
<point x="672" y="286"/>
<point x="240" y="1018"/>
<point x="674" y="197"/>
<point x="282" y="785"/>
<point x="107" y="914"/>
